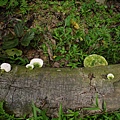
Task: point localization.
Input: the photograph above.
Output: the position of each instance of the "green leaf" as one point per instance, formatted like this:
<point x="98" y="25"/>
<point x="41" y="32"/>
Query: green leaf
<point x="96" y="100"/>
<point x="60" y="112"/>
<point x="7" y="44"/>
<point x="18" y="60"/>
<point x="2" y="111"/>
<point x="43" y="114"/>
<point x="14" y="51"/>
<point x="34" y="111"/>
<point x="104" y="106"/>
<point x="18" y="29"/>
<point x="13" y="3"/>
<point x="27" y="38"/>
<point x="117" y="114"/>
<point x="67" y="20"/>
<point x="3" y="2"/>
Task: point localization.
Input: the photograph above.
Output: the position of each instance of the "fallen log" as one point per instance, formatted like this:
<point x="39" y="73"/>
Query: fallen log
<point x="47" y="88"/>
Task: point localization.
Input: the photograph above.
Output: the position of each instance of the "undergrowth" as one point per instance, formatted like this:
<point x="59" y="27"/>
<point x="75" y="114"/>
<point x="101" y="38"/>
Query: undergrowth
<point x="80" y="29"/>
<point x="39" y="114"/>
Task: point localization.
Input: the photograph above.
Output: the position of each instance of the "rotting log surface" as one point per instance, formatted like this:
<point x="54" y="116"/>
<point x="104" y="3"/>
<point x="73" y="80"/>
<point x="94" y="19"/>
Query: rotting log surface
<point x="49" y="87"/>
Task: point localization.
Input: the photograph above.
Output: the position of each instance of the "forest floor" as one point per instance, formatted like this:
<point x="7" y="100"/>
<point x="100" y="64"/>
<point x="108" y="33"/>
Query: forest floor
<point x="65" y="32"/>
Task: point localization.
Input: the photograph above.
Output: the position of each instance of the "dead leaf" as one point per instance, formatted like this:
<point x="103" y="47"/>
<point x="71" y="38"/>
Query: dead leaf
<point x="49" y="51"/>
<point x="30" y="54"/>
<point x="56" y="65"/>
<point x="49" y="36"/>
<point x="75" y="24"/>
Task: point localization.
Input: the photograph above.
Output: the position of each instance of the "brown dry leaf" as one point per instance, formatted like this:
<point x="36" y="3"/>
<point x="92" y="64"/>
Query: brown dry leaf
<point x="1" y="25"/>
<point x="49" y="51"/>
<point x="56" y="64"/>
<point x="12" y="31"/>
<point x="30" y="54"/>
<point x="49" y="36"/>
<point x="86" y="30"/>
<point x="53" y="41"/>
<point x="42" y="55"/>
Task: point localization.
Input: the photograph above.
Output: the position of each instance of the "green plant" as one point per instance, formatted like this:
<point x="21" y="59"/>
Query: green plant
<point x="95" y="106"/>
<point x="73" y="115"/>
<point x="3" y="2"/>
<point x="67" y="46"/>
<point x="38" y="114"/>
<point x="19" y="38"/>
<point x="60" y="115"/>
<point x="13" y="42"/>
<point x="12" y="4"/>
<point x="6" y="116"/>
<point x="106" y="116"/>
<point x="24" y="7"/>
<point x="70" y="115"/>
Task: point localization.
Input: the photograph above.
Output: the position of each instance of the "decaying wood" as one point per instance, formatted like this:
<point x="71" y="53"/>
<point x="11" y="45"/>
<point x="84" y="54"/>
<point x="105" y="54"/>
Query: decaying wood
<point x="50" y="87"/>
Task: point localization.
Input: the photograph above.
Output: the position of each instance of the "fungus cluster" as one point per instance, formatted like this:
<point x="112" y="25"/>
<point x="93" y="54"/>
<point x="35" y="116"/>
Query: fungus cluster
<point x="35" y="62"/>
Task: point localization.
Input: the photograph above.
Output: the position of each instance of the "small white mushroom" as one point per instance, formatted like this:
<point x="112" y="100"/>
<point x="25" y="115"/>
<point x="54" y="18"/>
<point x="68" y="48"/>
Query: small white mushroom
<point x="37" y="62"/>
<point x="110" y="76"/>
<point x="6" y="67"/>
<point x="29" y="66"/>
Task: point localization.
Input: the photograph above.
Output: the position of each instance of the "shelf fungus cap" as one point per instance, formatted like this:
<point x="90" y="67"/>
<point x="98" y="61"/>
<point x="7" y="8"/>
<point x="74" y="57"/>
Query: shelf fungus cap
<point x="95" y="60"/>
<point x="36" y="62"/>
<point x="6" y="67"/>
<point x="29" y="66"/>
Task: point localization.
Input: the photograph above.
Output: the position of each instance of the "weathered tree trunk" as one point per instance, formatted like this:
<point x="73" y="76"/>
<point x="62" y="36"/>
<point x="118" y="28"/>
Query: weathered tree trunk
<point x="50" y="87"/>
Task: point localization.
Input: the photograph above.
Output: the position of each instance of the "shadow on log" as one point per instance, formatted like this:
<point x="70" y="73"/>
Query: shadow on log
<point x="50" y="87"/>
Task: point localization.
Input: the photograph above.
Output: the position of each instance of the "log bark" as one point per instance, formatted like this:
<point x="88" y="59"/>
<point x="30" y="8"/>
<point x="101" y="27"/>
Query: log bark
<point x="47" y="88"/>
